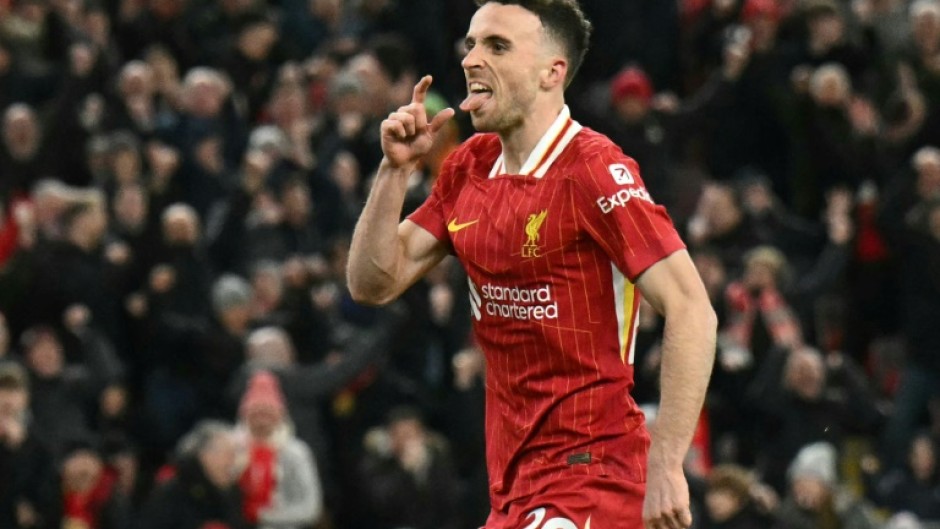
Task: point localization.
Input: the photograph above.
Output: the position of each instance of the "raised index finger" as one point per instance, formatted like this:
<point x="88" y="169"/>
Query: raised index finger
<point x="421" y="90"/>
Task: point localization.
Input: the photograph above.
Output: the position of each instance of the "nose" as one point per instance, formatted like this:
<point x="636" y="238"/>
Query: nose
<point x="471" y="60"/>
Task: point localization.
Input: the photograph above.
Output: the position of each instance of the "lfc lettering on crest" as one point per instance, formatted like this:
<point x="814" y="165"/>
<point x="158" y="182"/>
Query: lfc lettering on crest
<point x="531" y="247"/>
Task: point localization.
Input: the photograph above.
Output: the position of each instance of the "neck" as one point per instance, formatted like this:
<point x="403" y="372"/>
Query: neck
<point x="519" y="142"/>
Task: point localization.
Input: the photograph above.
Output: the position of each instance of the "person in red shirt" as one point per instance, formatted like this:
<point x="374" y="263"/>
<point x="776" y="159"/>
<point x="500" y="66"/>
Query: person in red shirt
<point x="559" y="238"/>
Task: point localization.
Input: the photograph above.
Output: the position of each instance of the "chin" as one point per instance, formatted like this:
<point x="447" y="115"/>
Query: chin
<point x="481" y="124"/>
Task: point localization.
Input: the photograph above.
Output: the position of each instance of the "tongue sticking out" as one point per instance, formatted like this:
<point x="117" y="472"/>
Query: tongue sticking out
<point x="474" y="101"/>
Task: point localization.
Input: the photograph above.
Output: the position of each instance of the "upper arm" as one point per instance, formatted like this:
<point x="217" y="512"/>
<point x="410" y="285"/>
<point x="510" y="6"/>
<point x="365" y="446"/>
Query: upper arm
<point x="673" y="284"/>
<point x="620" y="215"/>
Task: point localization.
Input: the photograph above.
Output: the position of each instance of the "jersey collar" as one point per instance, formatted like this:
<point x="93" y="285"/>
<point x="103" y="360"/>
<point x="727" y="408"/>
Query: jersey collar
<point x="553" y="142"/>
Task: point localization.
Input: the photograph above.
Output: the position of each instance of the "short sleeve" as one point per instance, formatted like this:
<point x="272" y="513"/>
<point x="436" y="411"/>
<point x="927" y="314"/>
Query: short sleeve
<point x="621" y="216"/>
<point x="430" y="215"/>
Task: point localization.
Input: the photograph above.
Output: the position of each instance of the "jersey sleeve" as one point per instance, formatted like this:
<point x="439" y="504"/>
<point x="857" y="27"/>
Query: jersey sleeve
<point x="430" y="215"/>
<point x="620" y="215"/>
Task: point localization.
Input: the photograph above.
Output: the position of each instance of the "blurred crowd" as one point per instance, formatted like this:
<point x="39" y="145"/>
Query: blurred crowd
<point x="178" y="184"/>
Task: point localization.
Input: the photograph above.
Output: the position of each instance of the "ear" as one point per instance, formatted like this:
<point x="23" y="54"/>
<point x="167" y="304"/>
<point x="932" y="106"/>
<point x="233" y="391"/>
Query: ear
<point x="554" y="75"/>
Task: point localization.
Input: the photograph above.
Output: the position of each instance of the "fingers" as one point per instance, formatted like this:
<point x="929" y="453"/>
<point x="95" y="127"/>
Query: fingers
<point x="421" y="90"/>
<point x="394" y="129"/>
<point x="408" y="120"/>
<point x="440" y="119"/>
<point x="681" y="519"/>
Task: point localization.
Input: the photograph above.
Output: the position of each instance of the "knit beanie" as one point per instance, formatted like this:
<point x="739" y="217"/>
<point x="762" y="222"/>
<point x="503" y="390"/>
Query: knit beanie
<point x="815" y="461"/>
<point x="263" y="390"/>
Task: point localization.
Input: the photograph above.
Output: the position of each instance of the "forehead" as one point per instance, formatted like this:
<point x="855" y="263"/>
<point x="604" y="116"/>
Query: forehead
<point x="509" y="21"/>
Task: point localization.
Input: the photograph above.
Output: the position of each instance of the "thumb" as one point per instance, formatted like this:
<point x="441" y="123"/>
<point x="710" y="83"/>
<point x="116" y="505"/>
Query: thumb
<point x="440" y="119"/>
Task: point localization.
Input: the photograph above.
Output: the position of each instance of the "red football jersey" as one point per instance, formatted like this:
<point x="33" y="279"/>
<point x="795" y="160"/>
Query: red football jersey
<point x="551" y="255"/>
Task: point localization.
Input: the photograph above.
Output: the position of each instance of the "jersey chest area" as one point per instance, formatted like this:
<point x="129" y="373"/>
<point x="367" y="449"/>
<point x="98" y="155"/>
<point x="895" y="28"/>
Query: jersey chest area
<point x="513" y="224"/>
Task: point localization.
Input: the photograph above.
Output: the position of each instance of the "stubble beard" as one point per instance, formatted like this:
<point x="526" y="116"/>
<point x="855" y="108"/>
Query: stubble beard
<point x="501" y="119"/>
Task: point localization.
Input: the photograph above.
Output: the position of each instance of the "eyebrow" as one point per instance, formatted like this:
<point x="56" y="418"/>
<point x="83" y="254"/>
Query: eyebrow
<point x="489" y="39"/>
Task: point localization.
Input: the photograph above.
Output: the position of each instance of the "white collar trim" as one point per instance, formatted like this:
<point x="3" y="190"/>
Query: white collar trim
<point x="563" y="129"/>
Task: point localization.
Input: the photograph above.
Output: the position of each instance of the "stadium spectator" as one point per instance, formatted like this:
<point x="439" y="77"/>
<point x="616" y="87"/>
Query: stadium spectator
<point x="815" y="496"/>
<point x="279" y="484"/>
<point x="203" y="493"/>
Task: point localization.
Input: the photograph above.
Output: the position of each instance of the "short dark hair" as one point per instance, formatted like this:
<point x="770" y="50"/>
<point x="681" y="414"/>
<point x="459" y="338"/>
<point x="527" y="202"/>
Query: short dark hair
<point x="564" y="21"/>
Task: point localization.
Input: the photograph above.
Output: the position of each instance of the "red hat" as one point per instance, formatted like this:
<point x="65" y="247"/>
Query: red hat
<point x="631" y="82"/>
<point x="263" y="390"/>
<point x="760" y="8"/>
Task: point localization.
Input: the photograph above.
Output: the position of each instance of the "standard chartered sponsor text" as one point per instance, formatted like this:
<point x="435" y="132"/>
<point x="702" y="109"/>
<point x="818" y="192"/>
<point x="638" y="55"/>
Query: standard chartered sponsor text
<point x="535" y="303"/>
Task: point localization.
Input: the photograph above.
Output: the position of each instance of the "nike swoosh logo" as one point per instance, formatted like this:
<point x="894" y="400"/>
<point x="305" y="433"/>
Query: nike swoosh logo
<point x="453" y="227"/>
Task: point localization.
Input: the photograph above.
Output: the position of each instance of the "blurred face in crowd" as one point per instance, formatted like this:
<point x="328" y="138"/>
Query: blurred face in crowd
<point x="925" y="27"/>
<point x="288" y="103"/>
<point x="720" y="209"/>
<point x="345" y="173"/>
<point x="130" y="207"/>
<point x="271" y="347"/>
<point x="759" y="275"/>
<point x="45" y="357"/>
<point x="923" y="458"/>
<point x="404" y="432"/>
<point x="262" y="420"/>
<point x="13" y="404"/>
<point x="763" y="31"/>
<point x="296" y="202"/>
<point x="93" y="222"/>
<point x="32" y="11"/>
<point x="256" y="41"/>
<point x="98" y="26"/>
<point x="268" y="285"/>
<point x="21" y="132"/>
<point x="722" y="504"/>
<point x="830" y="86"/>
<point x="126" y="166"/>
<point x="329" y="10"/>
<point x="166" y="9"/>
<point x="164" y="67"/>
<point x="218" y="459"/>
<point x="805" y="373"/>
<point x="81" y="471"/>
<point x="826" y="30"/>
<point x="927" y="165"/>
<point x="376" y="85"/>
<point x="508" y="54"/>
<point x="136" y="80"/>
<point x="180" y="225"/>
<point x="810" y="493"/>
<point x="204" y="92"/>
<point x="632" y="109"/>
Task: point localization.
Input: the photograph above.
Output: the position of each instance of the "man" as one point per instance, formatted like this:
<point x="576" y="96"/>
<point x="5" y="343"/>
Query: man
<point x="556" y="232"/>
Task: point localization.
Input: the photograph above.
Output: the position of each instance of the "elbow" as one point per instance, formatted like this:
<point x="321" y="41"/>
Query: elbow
<point x="368" y="296"/>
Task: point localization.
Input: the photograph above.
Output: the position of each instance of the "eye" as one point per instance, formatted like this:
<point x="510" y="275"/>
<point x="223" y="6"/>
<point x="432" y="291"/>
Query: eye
<point x="500" y="47"/>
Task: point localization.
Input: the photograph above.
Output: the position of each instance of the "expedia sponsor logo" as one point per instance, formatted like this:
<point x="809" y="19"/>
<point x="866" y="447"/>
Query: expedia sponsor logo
<point x="621" y="198"/>
<point x="536" y="303"/>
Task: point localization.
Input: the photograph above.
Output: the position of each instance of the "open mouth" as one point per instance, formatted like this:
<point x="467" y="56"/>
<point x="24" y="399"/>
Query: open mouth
<point x="478" y="94"/>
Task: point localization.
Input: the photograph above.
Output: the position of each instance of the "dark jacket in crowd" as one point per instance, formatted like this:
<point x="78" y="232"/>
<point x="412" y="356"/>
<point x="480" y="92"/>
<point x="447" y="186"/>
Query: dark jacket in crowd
<point x="190" y="501"/>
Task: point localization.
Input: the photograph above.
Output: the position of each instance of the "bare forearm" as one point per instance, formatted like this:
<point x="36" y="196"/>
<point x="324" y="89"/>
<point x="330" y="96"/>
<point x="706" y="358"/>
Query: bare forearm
<point x="375" y="250"/>
<point x="688" y="355"/>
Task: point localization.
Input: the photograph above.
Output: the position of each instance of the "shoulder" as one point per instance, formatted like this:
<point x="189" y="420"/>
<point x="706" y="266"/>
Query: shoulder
<point x="295" y="451"/>
<point x="596" y="162"/>
<point x="478" y="150"/>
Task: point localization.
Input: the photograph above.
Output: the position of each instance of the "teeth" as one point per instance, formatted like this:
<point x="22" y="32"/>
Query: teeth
<point x="478" y="87"/>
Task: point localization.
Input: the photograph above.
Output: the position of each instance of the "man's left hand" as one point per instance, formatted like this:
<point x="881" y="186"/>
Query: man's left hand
<point x="667" y="498"/>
